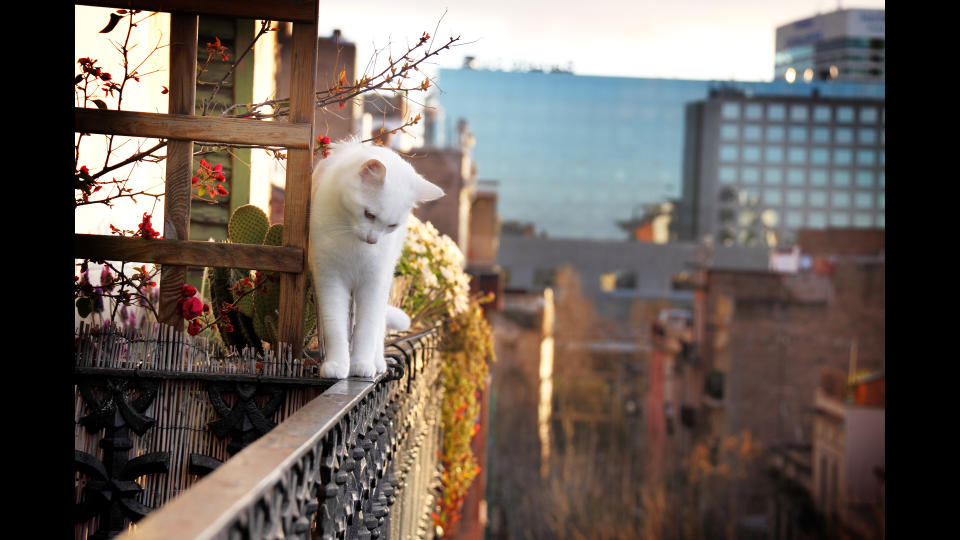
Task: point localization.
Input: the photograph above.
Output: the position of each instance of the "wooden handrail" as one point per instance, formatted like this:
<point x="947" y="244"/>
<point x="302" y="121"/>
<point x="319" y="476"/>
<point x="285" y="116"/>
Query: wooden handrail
<point x="192" y="128"/>
<point x="275" y="10"/>
<point x="188" y="253"/>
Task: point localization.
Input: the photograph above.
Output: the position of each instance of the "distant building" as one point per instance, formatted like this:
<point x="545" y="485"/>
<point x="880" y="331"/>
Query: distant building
<point x="761" y="339"/>
<point x="575" y="155"/>
<point x="759" y="168"/>
<point x="845" y="45"/>
<point x="849" y="458"/>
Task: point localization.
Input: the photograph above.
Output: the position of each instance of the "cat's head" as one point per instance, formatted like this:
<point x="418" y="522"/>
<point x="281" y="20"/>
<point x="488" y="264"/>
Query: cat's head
<point x="381" y="188"/>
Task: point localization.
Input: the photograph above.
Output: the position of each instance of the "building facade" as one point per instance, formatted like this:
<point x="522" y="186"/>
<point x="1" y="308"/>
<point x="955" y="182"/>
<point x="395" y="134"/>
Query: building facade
<point x="759" y="168"/>
<point x="577" y="155"/>
<point x="844" y="45"/>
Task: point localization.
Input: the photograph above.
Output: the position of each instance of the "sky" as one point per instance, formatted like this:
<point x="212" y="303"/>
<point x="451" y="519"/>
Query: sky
<point x="683" y="39"/>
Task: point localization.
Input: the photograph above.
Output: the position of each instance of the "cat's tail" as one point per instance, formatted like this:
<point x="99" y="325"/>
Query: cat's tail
<point x="397" y="319"/>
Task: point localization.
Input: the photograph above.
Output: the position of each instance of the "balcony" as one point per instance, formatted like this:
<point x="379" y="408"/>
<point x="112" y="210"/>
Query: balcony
<point x="354" y="458"/>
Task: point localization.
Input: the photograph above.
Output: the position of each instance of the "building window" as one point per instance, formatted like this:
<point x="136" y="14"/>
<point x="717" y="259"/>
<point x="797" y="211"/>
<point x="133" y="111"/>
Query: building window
<point x="841" y="157"/>
<point x="751" y="154"/>
<point x="729" y="132"/>
<point x="618" y="280"/>
<point x="883" y="137"/>
<point x="882" y="201"/>
<point x="821" y="113"/>
<point x="797" y="155"/>
<point x="817" y="198"/>
<point x="863" y="200"/>
<point x="818" y="177"/>
<point x="727" y="174"/>
<point x="750" y="175"/>
<point x="819" y="156"/>
<point x="881" y="220"/>
<point x="794" y="219"/>
<point x="544" y="277"/>
<point x="868" y="115"/>
<point x="798" y="113"/>
<point x="728" y="152"/>
<point x="820" y="135"/>
<point x="866" y="136"/>
<point x="817" y="220"/>
<point x="882" y="179"/>
<point x="843" y="136"/>
<point x="866" y="157"/>
<point x="840" y="199"/>
<point x="774" y="133"/>
<point x="839" y="220"/>
<point x="774" y="154"/>
<point x="753" y="111"/>
<point x="862" y="220"/>
<point x="795" y="197"/>
<point x="841" y="178"/>
<point x="776" y="112"/>
<point x="772" y="197"/>
<point x="772" y="175"/>
<point x="730" y="111"/>
<point x="795" y="176"/>
<point x="798" y="134"/>
<point x="752" y="132"/>
<point x="865" y="179"/>
<point x="883" y="158"/>
<point x="845" y="114"/>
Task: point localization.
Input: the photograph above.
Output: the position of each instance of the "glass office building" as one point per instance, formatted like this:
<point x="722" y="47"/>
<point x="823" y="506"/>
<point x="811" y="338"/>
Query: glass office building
<point x="575" y="154"/>
<point x="758" y="169"/>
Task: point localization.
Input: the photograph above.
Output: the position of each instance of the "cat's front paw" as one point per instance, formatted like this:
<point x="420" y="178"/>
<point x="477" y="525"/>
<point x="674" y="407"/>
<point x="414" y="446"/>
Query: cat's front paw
<point x="362" y="369"/>
<point x="334" y="367"/>
<point x="380" y="364"/>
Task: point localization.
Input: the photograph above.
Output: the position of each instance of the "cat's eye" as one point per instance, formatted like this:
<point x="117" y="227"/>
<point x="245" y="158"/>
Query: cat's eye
<point x="368" y="215"/>
<point x="392" y="227"/>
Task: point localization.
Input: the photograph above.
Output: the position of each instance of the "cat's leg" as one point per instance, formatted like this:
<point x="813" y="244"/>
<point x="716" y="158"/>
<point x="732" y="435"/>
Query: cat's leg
<point x="333" y="314"/>
<point x="367" y="358"/>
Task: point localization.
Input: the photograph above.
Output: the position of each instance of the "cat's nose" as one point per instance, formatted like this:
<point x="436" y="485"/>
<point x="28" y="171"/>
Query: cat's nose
<point x="370" y="239"/>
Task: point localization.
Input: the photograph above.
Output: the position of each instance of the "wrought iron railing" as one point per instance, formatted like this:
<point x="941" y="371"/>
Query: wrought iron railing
<point x="358" y="460"/>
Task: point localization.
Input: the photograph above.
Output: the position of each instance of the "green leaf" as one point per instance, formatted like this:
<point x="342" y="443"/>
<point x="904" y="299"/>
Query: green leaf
<point x="100" y="104"/>
<point x="114" y="19"/>
<point x="84" y="306"/>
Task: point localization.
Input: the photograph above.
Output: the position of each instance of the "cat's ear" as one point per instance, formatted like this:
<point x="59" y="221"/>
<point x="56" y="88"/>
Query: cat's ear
<point x="372" y="173"/>
<point x="427" y="192"/>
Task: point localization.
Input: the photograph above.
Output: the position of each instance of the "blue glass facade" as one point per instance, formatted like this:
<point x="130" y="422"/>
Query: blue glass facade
<point x="576" y="154"/>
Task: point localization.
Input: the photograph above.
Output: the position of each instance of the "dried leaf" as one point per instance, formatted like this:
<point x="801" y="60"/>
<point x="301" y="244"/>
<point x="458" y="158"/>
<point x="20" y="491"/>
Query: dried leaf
<point x="114" y="19"/>
<point x="100" y="104"/>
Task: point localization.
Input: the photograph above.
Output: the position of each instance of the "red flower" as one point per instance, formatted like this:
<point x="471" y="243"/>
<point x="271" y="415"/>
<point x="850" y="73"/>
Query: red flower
<point x="189" y="290"/>
<point x="195" y="327"/>
<point x="192" y="308"/>
<point x="195" y="180"/>
<point x="164" y="91"/>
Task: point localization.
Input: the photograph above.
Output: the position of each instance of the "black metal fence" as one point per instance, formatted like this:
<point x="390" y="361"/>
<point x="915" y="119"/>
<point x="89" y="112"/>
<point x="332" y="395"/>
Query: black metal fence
<point x="240" y="455"/>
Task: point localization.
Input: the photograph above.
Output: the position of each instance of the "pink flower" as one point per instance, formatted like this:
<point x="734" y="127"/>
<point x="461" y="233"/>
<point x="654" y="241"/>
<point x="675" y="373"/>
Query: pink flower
<point x="189" y="290"/>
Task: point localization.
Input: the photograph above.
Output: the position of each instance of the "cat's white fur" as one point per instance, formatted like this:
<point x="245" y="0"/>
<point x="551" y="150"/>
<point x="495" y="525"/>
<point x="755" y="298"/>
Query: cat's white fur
<point x="353" y="257"/>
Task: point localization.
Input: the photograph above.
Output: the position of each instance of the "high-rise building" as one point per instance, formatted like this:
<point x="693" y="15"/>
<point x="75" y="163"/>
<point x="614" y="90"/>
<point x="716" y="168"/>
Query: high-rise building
<point x="759" y="168"/>
<point x="576" y="156"/>
<point x="844" y="45"/>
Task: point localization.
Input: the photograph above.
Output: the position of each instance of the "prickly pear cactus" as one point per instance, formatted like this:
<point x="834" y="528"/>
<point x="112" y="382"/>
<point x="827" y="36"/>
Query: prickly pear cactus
<point x="258" y="311"/>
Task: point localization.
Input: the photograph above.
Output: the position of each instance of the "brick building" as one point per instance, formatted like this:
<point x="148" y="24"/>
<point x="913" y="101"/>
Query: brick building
<point x="763" y="338"/>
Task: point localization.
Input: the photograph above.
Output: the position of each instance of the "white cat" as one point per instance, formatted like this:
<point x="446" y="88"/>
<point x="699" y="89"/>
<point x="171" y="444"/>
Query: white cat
<point x="360" y="201"/>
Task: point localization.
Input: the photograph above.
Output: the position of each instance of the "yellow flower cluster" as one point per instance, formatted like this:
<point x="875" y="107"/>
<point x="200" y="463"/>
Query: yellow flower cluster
<point x="436" y="264"/>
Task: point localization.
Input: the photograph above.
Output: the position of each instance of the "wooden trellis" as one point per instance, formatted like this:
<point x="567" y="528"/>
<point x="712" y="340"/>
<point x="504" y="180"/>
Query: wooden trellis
<point x="180" y="127"/>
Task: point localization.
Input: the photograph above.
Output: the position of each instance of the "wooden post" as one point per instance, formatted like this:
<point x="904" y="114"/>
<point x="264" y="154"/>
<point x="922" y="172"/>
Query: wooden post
<point x="303" y="63"/>
<point x="176" y="207"/>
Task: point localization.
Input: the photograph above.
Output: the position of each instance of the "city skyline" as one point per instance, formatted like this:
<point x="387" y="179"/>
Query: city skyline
<point x="688" y="39"/>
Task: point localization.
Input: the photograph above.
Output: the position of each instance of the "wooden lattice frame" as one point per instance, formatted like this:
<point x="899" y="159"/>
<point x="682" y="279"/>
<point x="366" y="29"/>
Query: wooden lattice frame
<point x="180" y="127"/>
